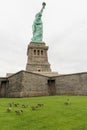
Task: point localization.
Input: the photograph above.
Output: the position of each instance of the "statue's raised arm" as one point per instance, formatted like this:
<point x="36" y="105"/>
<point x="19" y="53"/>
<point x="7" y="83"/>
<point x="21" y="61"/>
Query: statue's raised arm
<point x="37" y="26"/>
<point x="43" y="7"/>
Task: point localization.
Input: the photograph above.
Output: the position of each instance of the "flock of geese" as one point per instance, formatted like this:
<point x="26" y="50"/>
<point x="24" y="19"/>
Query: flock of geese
<point x="19" y="111"/>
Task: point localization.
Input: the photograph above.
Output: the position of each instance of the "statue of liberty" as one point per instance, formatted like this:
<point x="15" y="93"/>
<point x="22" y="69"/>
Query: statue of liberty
<point x="37" y="26"/>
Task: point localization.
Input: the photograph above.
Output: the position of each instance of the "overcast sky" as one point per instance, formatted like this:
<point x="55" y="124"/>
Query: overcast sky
<point x="64" y="31"/>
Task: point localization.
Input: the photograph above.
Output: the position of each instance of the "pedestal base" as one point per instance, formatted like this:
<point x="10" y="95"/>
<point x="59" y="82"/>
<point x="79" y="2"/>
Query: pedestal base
<point x="37" y="58"/>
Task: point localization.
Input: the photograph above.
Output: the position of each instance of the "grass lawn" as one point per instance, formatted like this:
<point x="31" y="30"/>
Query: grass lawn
<point x="54" y="115"/>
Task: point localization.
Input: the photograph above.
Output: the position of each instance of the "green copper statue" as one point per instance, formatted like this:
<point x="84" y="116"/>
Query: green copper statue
<point x="37" y="26"/>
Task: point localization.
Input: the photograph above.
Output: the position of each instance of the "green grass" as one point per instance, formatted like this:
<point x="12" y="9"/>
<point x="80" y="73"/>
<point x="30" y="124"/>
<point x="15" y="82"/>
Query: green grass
<point x="54" y="115"/>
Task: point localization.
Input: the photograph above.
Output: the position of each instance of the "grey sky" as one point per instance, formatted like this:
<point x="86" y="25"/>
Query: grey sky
<point x="65" y="32"/>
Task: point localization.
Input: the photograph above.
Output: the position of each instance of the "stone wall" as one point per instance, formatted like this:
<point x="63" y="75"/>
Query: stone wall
<point x="15" y="85"/>
<point x="73" y="84"/>
<point x="34" y="84"/>
<point x="28" y="84"/>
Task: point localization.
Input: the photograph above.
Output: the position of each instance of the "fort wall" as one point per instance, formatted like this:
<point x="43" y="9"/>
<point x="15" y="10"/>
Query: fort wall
<point x="72" y="84"/>
<point x="34" y="84"/>
<point x="28" y="84"/>
<point x="15" y="85"/>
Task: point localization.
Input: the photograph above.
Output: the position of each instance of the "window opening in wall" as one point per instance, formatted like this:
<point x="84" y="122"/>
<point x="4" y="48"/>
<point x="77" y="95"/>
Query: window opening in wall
<point x="41" y="52"/>
<point x="38" y="52"/>
<point x="34" y="52"/>
<point x="38" y="69"/>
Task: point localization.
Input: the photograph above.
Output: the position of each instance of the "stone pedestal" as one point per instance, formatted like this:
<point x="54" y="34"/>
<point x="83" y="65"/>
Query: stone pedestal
<point x="37" y="58"/>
